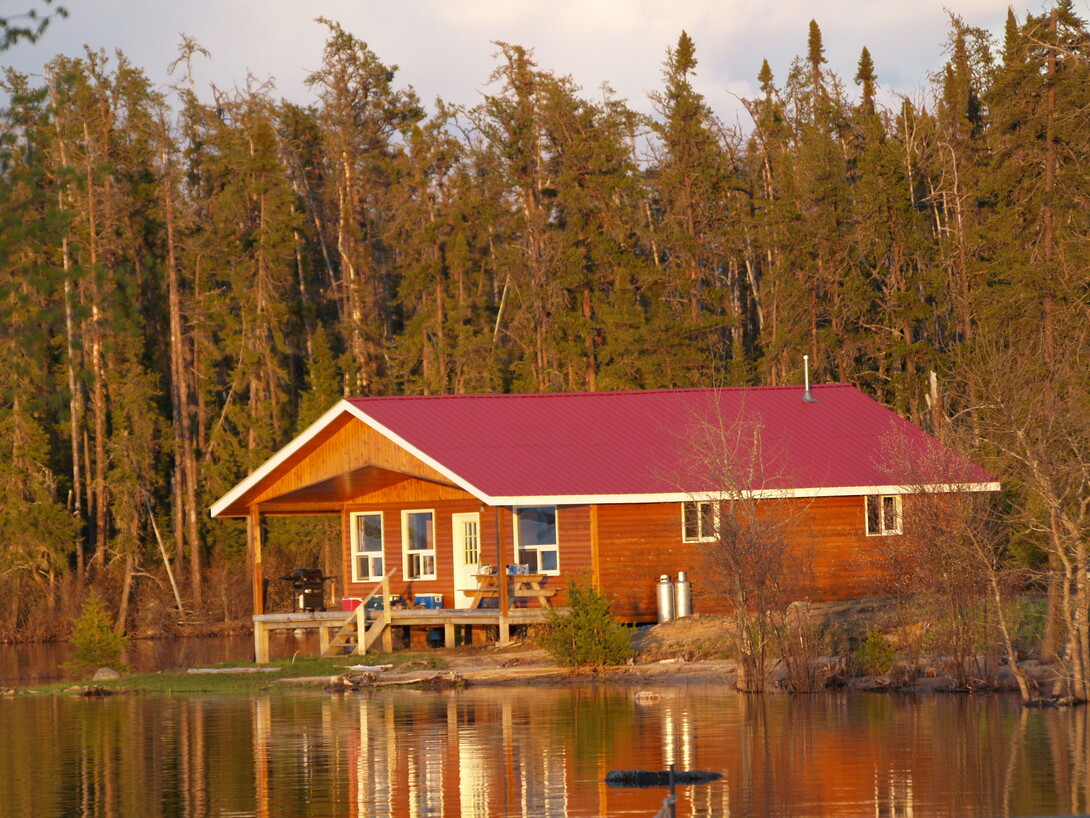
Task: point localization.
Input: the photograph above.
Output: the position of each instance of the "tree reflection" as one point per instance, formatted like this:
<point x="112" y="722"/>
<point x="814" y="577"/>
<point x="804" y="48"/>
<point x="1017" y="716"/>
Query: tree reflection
<point x="537" y="752"/>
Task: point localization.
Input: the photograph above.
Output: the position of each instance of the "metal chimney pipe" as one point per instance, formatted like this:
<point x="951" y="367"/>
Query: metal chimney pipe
<point x="807" y="395"/>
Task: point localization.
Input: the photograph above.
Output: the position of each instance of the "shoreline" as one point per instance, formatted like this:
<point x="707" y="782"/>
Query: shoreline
<point x="510" y="666"/>
<point x="691" y="650"/>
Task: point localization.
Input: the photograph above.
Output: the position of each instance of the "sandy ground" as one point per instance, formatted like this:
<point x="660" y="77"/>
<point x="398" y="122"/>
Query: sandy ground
<point x="691" y="650"/>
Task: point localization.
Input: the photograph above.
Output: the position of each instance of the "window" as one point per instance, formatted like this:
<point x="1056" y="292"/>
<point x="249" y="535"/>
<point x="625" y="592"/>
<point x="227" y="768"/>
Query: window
<point x="536" y="539"/>
<point x="883" y="514"/>
<point x="418" y="540"/>
<point x="699" y="521"/>
<point x="471" y="541"/>
<point x="367" y="546"/>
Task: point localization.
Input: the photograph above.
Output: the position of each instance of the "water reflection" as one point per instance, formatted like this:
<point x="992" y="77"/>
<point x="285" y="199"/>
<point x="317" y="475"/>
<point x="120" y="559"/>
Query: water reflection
<point x="39" y="662"/>
<point x="536" y="752"/>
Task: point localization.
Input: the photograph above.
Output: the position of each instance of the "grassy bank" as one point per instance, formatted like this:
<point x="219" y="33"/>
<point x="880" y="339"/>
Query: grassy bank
<point x="250" y="678"/>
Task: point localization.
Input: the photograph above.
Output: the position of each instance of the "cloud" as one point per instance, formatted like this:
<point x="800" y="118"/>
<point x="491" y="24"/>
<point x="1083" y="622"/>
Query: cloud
<point x="445" y="48"/>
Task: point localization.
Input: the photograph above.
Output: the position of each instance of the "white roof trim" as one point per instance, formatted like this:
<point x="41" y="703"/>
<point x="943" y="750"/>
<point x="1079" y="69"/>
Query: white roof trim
<point x="763" y="494"/>
<point x="311" y="431"/>
<point x="459" y="481"/>
<point x="265" y="468"/>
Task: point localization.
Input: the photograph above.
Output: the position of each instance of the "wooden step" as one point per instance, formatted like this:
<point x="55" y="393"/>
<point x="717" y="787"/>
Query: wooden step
<point x="346" y="636"/>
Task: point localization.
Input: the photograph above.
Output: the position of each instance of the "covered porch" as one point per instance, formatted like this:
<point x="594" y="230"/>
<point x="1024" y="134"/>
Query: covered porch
<point x="329" y="624"/>
<point x="409" y="530"/>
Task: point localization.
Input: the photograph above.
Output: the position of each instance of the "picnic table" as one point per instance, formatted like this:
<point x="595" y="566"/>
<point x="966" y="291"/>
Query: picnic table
<point x="519" y="586"/>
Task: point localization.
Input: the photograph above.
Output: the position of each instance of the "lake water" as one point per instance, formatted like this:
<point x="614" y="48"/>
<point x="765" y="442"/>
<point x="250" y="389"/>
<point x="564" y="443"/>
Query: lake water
<point x="32" y="663"/>
<point x="534" y="752"/>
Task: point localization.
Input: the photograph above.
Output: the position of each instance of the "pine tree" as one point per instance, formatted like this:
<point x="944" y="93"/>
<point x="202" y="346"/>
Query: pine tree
<point x="362" y="114"/>
<point x="39" y="533"/>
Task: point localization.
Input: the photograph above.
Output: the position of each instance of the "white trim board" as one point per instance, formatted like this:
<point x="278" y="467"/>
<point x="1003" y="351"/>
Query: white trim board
<point x="760" y="494"/>
<point x="393" y="437"/>
<point x="291" y="448"/>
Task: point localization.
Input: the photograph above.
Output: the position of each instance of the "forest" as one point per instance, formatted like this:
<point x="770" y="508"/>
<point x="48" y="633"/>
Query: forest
<point x="190" y="276"/>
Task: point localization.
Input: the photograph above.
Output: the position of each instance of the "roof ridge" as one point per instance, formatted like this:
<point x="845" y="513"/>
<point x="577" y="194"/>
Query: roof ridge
<point x="601" y="393"/>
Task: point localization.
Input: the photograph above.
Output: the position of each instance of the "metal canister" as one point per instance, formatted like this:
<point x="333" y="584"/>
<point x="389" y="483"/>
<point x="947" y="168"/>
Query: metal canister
<point x="664" y="594"/>
<point x="683" y="596"/>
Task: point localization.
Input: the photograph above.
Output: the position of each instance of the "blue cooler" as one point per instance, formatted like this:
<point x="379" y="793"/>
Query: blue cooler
<point x="429" y="601"/>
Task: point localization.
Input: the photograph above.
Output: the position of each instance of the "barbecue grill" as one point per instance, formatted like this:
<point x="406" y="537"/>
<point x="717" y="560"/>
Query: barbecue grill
<point x="307" y="589"/>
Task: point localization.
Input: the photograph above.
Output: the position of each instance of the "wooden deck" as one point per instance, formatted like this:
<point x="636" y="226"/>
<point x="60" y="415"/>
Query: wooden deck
<point x="328" y="623"/>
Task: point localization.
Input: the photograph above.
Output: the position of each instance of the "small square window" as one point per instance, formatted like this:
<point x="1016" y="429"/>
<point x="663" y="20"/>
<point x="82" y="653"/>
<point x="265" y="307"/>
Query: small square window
<point x="883" y="514"/>
<point x="699" y="521"/>
<point x="538" y="546"/>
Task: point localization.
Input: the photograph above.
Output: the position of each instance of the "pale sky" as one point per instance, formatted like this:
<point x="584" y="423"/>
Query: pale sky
<point x="444" y="47"/>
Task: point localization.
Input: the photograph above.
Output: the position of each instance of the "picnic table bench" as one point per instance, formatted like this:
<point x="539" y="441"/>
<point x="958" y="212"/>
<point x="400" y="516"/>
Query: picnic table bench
<point x="520" y="586"/>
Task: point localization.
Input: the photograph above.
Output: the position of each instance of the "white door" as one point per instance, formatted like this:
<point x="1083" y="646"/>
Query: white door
<point x="467" y="555"/>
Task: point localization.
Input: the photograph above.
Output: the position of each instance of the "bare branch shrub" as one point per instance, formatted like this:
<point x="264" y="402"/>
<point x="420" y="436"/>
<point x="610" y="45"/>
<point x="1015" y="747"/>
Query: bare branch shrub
<point x="953" y="557"/>
<point x="1035" y="423"/>
<point x="757" y="559"/>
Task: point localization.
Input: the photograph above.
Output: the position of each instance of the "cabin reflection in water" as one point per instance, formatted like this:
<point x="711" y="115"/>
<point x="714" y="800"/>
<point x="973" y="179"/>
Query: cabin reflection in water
<point x="453" y="755"/>
<point x="483" y="753"/>
<point x="538" y="752"/>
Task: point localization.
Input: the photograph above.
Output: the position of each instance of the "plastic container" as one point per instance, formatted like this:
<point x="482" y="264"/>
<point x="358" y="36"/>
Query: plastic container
<point x="430" y="601"/>
<point x="350" y="603"/>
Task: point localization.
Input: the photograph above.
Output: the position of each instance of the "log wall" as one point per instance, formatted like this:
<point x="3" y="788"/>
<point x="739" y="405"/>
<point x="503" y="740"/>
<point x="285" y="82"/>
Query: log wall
<point x="833" y="559"/>
<point x="573" y="534"/>
<point x="343" y="450"/>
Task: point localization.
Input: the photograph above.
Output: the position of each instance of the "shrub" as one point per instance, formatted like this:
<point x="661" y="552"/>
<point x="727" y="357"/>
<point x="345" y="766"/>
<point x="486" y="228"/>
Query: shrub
<point x="798" y="640"/>
<point x="1027" y="623"/>
<point x="95" y="642"/>
<point x="588" y="635"/>
<point x="876" y="654"/>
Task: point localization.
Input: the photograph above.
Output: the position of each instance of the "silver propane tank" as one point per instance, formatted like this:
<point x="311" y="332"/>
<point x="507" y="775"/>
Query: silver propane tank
<point x="664" y="594"/>
<point x="683" y="596"/>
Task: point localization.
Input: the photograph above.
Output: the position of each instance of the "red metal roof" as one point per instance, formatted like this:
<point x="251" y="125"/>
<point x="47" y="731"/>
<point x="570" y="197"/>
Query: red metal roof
<point x="568" y="445"/>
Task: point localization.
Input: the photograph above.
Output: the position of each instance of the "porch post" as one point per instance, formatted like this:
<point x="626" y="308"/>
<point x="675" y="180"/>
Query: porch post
<point x="501" y="565"/>
<point x="253" y="551"/>
<point x="261" y="643"/>
<point x="387" y="616"/>
<point x="501" y="568"/>
<point x="595" y="565"/>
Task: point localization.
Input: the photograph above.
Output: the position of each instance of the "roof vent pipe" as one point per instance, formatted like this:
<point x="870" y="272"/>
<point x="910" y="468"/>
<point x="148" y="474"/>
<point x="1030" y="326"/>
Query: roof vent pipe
<point x="807" y="395"/>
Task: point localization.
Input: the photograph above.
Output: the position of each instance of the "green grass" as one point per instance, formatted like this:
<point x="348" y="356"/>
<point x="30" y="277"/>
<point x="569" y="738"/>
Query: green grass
<point x="179" y="681"/>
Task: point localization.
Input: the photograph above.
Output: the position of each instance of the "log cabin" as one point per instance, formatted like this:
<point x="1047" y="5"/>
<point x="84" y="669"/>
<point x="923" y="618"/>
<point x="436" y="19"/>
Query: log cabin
<point x="620" y="487"/>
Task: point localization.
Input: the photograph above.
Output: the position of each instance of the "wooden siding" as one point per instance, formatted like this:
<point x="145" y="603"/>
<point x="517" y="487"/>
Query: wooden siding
<point x="638" y="543"/>
<point x="635" y="544"/>
<point x="340" y="463"/>
<point x="392" y="545"/>
<point x="624" y="547"/>
<point x="573" y="534"/>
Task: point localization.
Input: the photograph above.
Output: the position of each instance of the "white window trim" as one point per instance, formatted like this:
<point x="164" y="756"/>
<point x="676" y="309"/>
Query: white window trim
<point x="898" y="513"/>
<point x="556" y="516"/>
<point x="353" y="528"/>
<point x="702" y="536"/>
<point x="405" y="550"/>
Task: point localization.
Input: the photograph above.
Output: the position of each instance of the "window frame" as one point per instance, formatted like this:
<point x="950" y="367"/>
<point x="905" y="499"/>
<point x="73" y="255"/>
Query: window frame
<point x="701" y="536"/>
<point x="424" y="553"/>
<point x="883" y="529"/>
<point x="554" y="547"/>
<point x="357" y="554"/>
